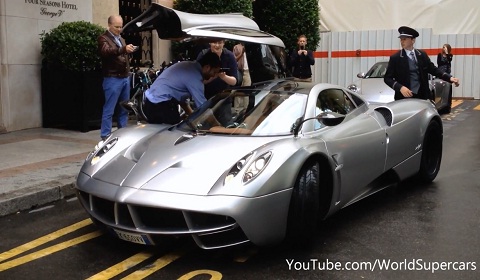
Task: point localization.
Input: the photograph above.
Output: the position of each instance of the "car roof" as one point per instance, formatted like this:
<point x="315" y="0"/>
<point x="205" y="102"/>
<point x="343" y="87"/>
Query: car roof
<point x="172" y="24"/>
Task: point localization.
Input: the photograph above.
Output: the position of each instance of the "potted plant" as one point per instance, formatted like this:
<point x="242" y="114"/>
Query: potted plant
<point x="72" y="94"/>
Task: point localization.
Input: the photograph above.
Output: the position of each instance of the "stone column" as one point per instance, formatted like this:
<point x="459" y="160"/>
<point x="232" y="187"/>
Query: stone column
<point x="102" y="9"/>
<point x="161" y="48"/>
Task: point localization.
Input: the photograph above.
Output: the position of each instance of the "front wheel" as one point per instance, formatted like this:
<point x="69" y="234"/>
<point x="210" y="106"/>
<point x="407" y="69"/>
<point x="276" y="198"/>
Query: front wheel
<point x="304" y="204"/>
<point x="431" y="152"/>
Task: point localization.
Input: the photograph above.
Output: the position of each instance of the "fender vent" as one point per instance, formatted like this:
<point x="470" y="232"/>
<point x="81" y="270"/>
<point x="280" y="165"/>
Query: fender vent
<point x="387" y="114"/>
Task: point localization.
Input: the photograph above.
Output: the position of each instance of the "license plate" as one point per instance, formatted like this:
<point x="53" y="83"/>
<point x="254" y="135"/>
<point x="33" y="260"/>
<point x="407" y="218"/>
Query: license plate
<point x="133" y="237"/>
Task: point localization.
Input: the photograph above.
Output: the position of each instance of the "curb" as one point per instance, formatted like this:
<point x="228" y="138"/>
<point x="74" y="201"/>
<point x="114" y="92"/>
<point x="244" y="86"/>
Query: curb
<point x="32" y="197"/>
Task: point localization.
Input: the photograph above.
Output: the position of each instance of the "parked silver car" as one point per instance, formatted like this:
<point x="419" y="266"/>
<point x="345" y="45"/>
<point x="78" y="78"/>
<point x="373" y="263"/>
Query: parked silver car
<point x="371" y="86"/>
<point x="293" y="153"/>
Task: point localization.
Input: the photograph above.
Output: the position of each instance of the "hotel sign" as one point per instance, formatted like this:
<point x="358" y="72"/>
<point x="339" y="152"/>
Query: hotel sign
<point x="52" y="9"/>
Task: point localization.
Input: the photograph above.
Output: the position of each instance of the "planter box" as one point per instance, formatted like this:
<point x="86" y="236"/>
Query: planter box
<point x="71" y="100"/>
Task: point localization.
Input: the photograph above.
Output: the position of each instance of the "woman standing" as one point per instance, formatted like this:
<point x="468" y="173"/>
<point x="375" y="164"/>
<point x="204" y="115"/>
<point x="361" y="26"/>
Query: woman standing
<point x="444" y="59"/>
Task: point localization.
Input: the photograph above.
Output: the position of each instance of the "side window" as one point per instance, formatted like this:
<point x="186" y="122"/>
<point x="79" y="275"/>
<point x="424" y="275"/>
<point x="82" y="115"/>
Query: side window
<point x="358" y="101"/>
<point x="378" y="70"/>
<point x="335" y="100"/>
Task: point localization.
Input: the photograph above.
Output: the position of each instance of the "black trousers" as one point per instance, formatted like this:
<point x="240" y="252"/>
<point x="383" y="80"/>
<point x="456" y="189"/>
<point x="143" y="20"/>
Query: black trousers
<point x="163" y="112"/>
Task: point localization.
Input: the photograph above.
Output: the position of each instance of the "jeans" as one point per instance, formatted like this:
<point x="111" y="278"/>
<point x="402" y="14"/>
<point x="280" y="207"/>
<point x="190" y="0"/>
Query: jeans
<point x="115" y="90"/>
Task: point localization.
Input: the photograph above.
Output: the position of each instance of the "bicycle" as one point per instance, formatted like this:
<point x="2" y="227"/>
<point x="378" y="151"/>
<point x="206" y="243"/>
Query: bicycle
<point x="137" y="100"/>
<point x="141" y="80"/>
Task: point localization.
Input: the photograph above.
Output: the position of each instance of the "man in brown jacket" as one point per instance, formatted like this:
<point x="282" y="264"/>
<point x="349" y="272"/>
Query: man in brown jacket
<point x="115" y="66"/>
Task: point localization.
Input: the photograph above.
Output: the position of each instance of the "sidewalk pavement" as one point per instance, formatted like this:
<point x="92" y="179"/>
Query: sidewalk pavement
<point x="39" y="166"/>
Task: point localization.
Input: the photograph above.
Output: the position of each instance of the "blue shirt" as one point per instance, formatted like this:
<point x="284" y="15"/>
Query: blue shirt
<point x="117" y="39"/>
<point x="181" y="81"/>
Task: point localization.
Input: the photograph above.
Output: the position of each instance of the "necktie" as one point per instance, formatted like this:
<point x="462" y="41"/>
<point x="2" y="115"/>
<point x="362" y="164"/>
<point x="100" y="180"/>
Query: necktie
<point x="117" y="41"/>
<point x="412" y="56"/>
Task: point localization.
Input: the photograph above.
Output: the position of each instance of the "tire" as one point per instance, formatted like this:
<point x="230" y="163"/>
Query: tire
<point x="431" y="152"/>
<point x="304" y="205"/>
<point x="448" y="108"/>
<point x="140" y="103"/>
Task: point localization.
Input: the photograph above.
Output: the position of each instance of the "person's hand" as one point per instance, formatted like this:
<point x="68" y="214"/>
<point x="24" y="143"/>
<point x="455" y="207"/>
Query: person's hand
<point x="300" y="52"/>
<point x="455" y="81"/>
<point x="221" y="75"/>
<point x="406" y="92"/>
<point x="130" y="48"/>
<point x="210" y="79"/>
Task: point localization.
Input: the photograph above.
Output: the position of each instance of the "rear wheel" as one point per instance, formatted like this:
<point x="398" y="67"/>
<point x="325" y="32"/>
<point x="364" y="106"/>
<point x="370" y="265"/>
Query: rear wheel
<point x="448" y="107"/>
<point x="140" y="101"/>
<point x="304" y="205"/>
<point x="431" y="152"/>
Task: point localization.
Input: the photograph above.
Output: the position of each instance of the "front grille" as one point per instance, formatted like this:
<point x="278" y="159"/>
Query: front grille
<point x="159" y="219"/>
<point x="154" y="220"/>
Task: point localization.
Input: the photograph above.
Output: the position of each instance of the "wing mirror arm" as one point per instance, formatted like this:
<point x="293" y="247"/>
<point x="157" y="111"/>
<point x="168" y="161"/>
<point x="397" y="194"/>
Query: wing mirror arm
<point x="326" y="118"/>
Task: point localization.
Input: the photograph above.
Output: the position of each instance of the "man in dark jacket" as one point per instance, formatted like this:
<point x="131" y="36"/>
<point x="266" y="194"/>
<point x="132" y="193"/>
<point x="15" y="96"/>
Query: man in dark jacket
<point x="227" y="77"/>
<point x="408" y="69"/>
<point x="301" y="60"/>
<point x="115" y="66"/>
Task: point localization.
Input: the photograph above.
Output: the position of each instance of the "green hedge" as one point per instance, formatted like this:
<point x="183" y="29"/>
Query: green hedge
<point x="72" y="46"/>
<point x="214" y="6"/>
<point x="287" y="19"/>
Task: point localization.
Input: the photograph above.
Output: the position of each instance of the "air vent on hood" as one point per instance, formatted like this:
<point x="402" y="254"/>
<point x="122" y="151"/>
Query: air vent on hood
<point x="184" y="138"/>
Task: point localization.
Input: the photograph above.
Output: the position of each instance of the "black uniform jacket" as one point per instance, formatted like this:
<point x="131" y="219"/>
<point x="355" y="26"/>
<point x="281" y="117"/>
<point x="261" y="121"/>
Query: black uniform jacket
<point x="398" y="75"/>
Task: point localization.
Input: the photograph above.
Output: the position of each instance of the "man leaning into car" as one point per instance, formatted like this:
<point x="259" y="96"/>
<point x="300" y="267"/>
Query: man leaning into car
<point x="408" y="69"/>
<point x="179" y="82"/>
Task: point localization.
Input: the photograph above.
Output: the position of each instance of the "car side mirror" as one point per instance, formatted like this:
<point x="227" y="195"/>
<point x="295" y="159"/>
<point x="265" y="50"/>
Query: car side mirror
<point x="326" y="118"/>
<point x="361" y="75"/>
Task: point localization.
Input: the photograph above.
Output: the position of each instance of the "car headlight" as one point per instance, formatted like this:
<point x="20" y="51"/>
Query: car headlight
<point x="253" y="170"/>
<point x="353" y="87"/>
<point x="101" y="149"/>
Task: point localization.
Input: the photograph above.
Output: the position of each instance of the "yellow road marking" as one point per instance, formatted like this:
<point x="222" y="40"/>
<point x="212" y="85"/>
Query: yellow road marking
<point x="42" y="240"/>
<point x="157" y="265"/>
<point x="48" y="251"/>
<point x="477" y="107"/>
<point x="456" y="102"/>
<point x="121" y="267"/>
<point x="215" y="275"/>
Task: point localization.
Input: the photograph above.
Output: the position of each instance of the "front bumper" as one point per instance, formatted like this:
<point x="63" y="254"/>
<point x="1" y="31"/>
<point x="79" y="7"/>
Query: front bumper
<point x="212" y="221"/>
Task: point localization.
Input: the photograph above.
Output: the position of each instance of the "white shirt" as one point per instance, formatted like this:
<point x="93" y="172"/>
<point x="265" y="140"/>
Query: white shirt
<point x="409" y="55"/>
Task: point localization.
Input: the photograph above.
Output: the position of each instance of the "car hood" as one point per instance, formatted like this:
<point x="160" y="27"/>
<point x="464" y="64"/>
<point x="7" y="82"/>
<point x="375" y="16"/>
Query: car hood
<point x="171" y="24"/>
<point x="174" y="161"/>
<point x="375" y="90"/>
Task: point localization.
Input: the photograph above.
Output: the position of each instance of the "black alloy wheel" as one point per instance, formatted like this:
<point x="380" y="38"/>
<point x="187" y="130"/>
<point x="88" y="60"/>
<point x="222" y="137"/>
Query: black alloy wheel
<point x="304" y="205"/>
<point x="431" y="152"/>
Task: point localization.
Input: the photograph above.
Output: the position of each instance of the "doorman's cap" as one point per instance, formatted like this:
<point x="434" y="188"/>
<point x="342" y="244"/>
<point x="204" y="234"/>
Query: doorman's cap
<point x="406" y="31"/>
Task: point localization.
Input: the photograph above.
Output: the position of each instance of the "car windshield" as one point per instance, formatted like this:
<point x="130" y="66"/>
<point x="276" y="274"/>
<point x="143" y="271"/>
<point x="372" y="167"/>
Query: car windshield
<point x="255" y="112"/>
<point x="378" y="70"/>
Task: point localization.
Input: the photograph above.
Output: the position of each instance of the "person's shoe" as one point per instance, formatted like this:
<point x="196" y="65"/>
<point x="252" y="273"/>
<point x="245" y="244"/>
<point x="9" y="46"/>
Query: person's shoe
<point x="130" y="106"/>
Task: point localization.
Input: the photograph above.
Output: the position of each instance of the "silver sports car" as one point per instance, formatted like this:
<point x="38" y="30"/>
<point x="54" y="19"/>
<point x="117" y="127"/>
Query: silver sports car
<point x="372" y="87"/>
<point x="293" y="153"/>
